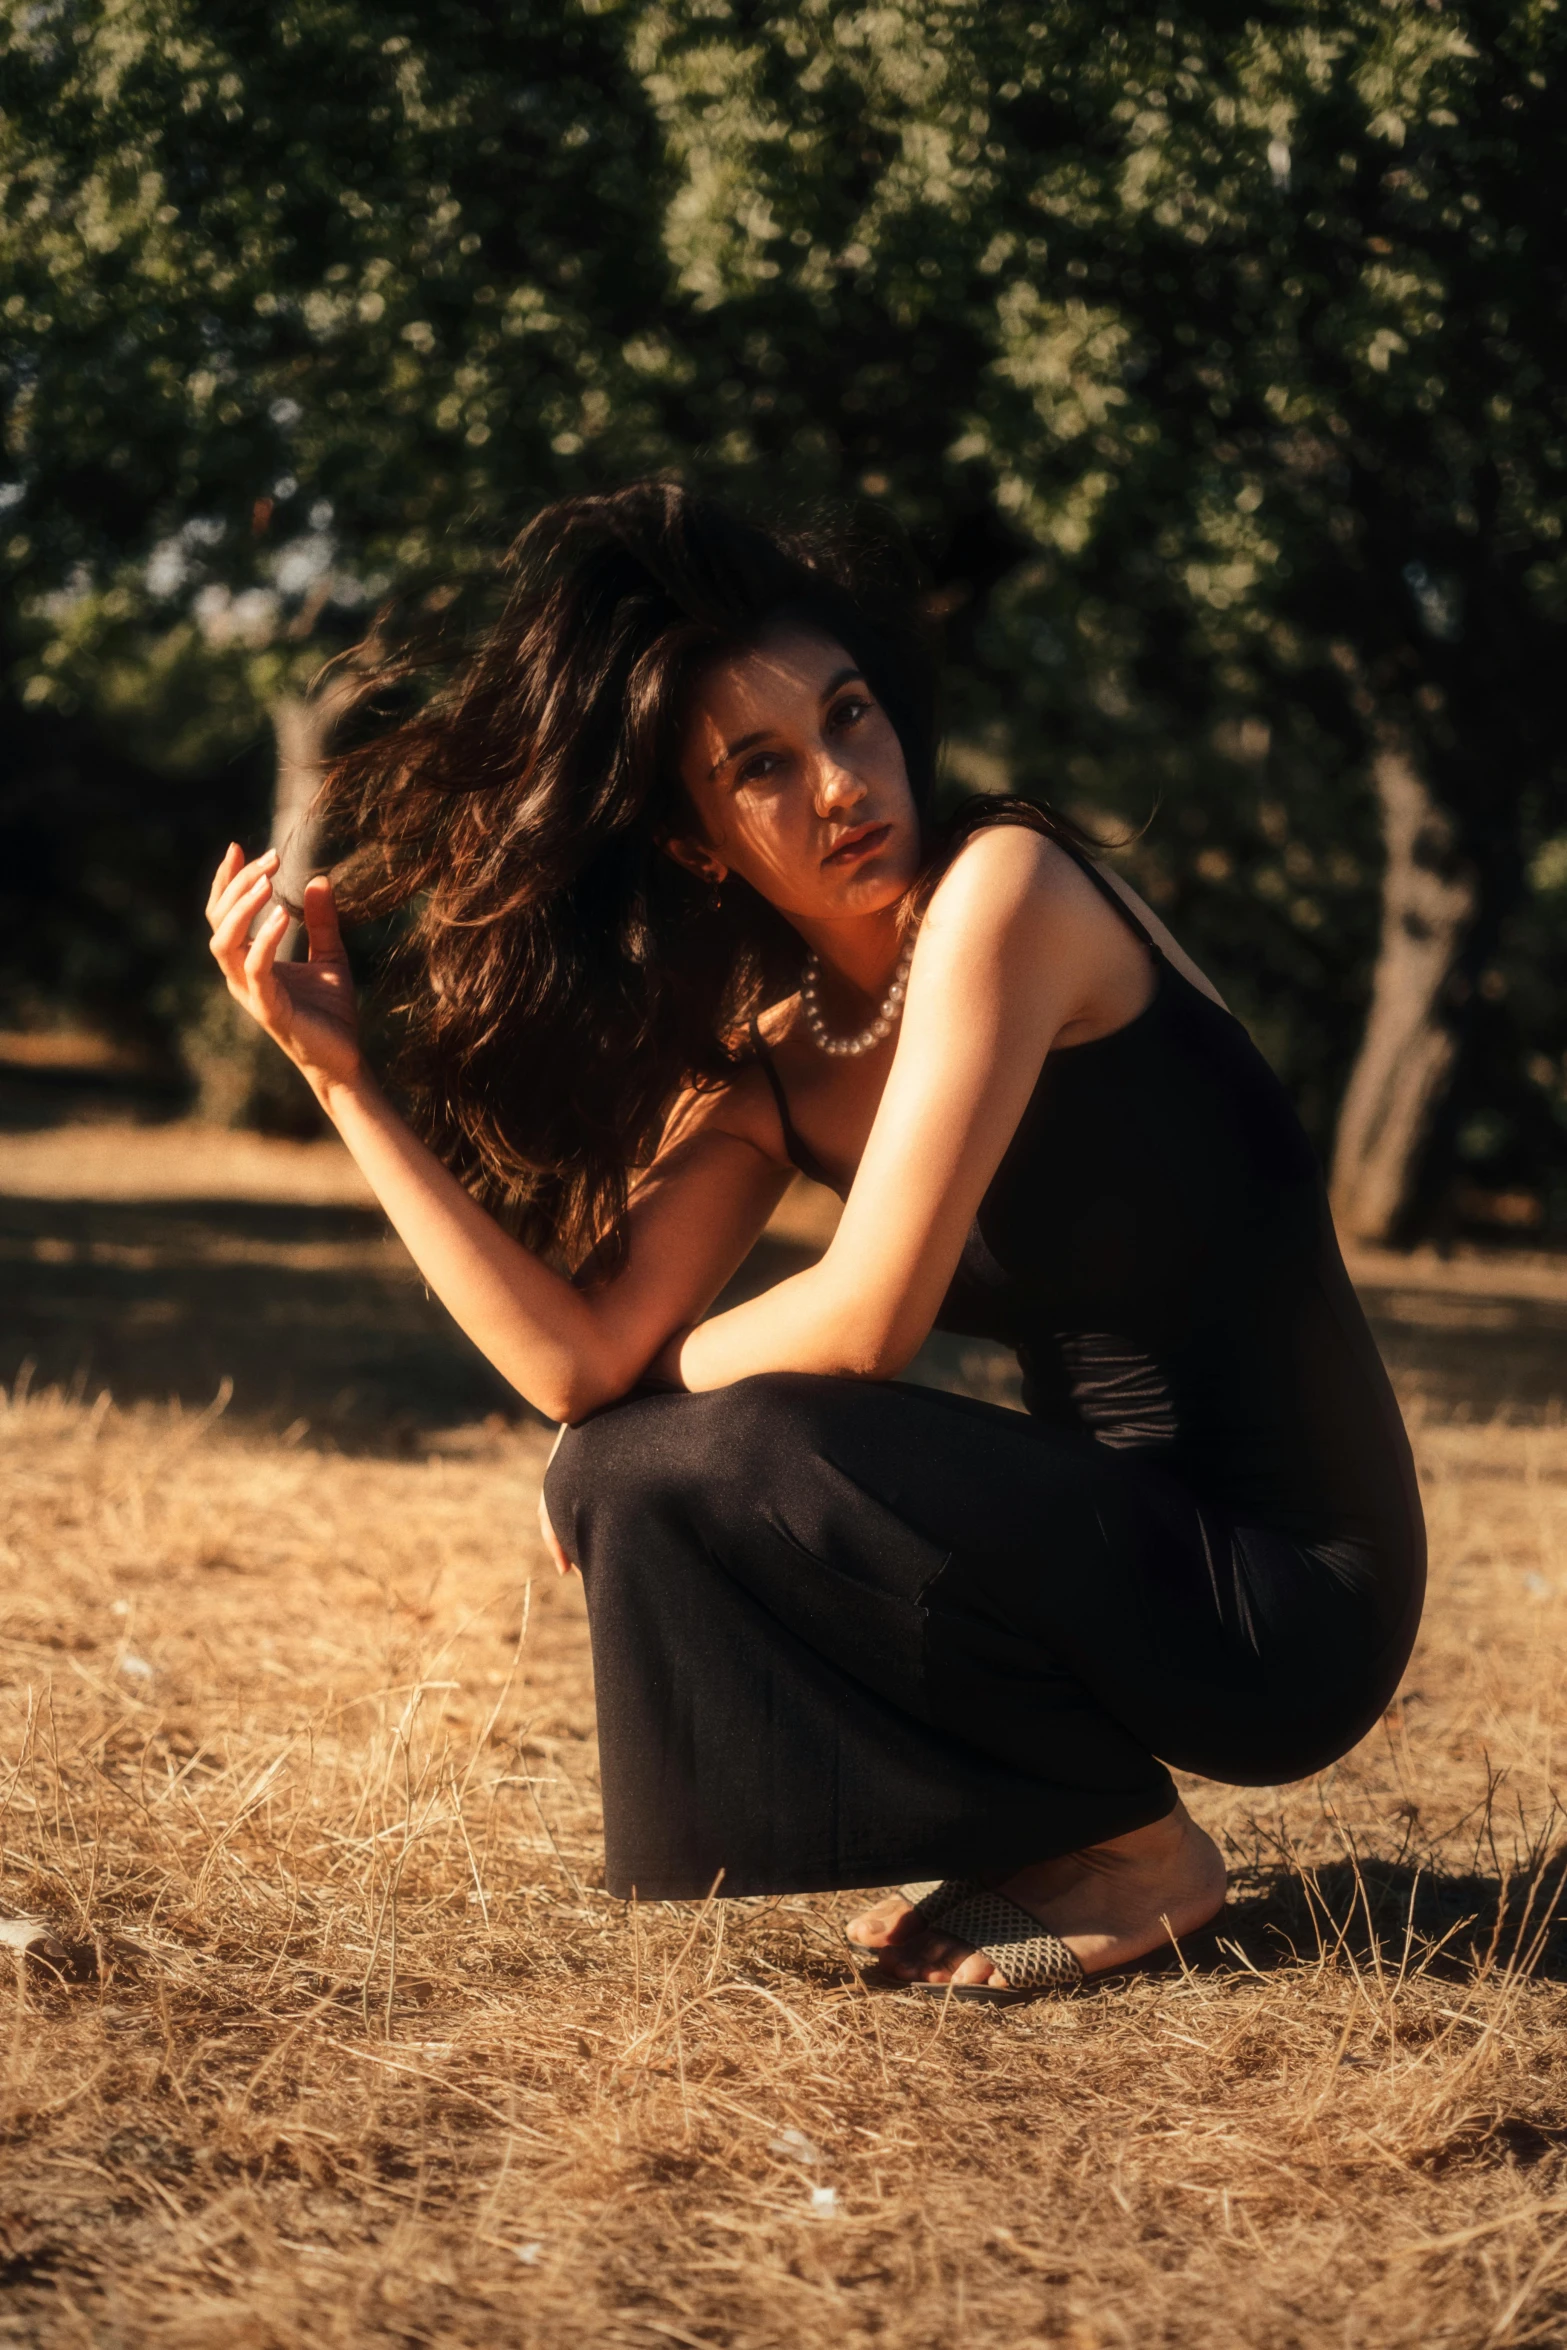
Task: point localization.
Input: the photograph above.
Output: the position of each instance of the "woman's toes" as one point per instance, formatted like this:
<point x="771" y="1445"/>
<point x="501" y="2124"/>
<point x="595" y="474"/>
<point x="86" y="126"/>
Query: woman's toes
<point x="976" y="1968"/>
<point x="877" y="1928"/>
<point x="911" y="1961"/>
<point x="935" y="1959"/>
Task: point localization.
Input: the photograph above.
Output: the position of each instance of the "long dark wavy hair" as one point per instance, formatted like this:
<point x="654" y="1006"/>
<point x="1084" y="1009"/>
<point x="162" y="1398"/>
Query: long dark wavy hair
<point x="563" y="978"/>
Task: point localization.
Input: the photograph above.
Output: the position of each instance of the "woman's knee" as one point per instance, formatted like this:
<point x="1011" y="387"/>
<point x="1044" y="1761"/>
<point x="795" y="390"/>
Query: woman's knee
<point x="590" y="1460"/>
<point x="756" y="1437"/>
<point x="679" y="1451"/>
<point x="623" y="1460"/>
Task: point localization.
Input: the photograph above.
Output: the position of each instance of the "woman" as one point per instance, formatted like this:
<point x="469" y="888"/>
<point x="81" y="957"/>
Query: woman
<point x="680" y="928"/>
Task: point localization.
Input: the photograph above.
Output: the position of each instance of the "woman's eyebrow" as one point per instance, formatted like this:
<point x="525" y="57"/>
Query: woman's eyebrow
<point x="746" y="742"/>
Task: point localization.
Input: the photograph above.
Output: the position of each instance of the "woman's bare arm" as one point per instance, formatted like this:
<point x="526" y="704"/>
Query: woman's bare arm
<point x="1015" y="945"/>
<point x="567" y="1349"/>
<point x="1015" y="948"/>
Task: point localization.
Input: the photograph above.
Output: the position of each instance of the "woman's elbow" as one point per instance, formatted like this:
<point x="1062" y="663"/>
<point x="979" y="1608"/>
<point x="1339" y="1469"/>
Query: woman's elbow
<point x="865" y="1328"/>
<point x="877" y="1351"/>
<point x="573" y="1391"/>
<point x="565" y="1403"/>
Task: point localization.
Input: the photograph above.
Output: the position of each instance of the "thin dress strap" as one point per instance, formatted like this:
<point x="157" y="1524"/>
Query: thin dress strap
<point x="1111" y="895"/>
<point x="800" y="1152"/>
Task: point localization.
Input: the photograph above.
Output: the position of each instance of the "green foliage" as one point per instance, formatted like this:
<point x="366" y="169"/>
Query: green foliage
<point x="260" y="258"/>
<point x="1248" y="333"/>
<point x="1213" y="359"/>
<point x="300" y="303"/>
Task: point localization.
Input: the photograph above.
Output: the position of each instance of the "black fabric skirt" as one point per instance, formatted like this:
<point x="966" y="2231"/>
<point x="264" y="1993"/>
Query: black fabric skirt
<point x="847" y="1633"/>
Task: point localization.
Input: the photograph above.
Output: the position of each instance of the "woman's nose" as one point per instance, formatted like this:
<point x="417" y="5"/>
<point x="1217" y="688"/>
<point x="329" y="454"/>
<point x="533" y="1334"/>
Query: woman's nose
<point x="836" y="787"/>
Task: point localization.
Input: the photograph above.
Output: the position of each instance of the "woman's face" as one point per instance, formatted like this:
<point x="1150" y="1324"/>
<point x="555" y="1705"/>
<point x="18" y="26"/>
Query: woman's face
<point x="798" y="781"/>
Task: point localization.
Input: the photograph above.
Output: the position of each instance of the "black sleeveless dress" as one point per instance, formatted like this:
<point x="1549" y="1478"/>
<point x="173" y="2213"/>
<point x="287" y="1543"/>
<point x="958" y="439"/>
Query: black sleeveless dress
<point x="848" y="1633"/>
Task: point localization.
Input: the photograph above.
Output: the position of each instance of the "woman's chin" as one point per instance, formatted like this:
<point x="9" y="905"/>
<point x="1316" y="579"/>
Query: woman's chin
<point x="873" y="887"/>
<point x="883" y="891"/>
<point x="880" y="880"/>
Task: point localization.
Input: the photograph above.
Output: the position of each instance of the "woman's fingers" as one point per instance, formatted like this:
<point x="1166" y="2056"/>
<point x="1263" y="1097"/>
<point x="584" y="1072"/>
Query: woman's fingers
<point x="230" y="863"/>
<point x="231" y="869"/>
<point x="552" y="1541"/>
<point x="245" y="880"/>
<point x="321" y="923"/>
<point x="240" y="884"/>
<point x="254" y="894"/>
<point x="228" y="931"/>
<point x="263" y="954"/>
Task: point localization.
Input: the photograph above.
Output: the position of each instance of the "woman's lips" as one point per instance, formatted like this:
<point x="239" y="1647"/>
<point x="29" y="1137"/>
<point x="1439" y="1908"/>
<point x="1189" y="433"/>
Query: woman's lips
<point x="858" y="844"/>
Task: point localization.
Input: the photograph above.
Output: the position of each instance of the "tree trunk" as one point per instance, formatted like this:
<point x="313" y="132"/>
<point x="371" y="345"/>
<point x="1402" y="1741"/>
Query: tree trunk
<point x="1405" y="1062"/>
<point x="303" y="725"/>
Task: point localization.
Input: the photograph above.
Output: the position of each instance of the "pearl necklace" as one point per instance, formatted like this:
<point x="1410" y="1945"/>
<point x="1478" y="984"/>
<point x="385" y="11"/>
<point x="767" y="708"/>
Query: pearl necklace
<point x="887" y="1017"/>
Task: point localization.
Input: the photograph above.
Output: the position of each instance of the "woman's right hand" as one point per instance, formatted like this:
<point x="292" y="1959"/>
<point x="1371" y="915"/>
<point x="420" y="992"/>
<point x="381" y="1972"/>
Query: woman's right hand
<point x="306" y="1008"/>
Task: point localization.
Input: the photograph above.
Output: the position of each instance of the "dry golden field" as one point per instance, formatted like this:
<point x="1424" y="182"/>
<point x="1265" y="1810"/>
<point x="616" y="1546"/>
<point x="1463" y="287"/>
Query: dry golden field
<point x="341" y="2044"/>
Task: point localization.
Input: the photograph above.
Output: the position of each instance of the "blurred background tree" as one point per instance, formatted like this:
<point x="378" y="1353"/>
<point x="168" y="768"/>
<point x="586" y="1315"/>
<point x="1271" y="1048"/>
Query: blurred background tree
<point x="304" y="306"/>
<point x="1214" y="362"/>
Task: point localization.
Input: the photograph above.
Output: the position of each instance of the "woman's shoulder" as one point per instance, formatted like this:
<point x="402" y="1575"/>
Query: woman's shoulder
<point x="1003" y="869"/>
<point x="1006" y="872"/>
<point x="1017" y="921"/>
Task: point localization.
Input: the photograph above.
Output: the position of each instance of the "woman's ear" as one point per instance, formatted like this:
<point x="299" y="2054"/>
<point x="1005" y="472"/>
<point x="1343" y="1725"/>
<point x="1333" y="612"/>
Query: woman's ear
<point x="695" y="857"/>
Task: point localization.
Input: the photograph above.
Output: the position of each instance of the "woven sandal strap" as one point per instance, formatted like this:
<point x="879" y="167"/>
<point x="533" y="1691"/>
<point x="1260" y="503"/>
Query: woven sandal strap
<point x="932" y="1897"/>
<point x="1013" y="1942"/>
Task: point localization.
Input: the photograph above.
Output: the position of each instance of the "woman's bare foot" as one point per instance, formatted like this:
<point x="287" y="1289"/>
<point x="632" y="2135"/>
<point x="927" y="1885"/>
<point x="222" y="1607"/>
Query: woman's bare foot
<point x="1109" y="1904"/>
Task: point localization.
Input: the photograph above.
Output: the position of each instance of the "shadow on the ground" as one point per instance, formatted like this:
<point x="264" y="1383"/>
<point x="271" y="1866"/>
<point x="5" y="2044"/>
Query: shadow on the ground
<point x="35" y="1096"/>
<point x="314" y="1313"/>
<point x="1383" y="1915"/>
<point x="310" y="1311"/>
<point x="1468" y="1358"/>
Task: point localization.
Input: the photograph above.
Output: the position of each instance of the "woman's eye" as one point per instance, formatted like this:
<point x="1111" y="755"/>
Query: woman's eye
<point x="849" y="713"/>
<point x="757" y="767"/>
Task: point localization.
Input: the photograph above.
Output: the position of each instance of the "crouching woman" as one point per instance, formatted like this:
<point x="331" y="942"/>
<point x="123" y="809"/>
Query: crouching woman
<point x="679" y="927"/>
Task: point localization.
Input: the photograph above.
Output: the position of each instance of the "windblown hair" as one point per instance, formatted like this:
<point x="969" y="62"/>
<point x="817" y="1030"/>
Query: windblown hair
<point x="568" y="978"/>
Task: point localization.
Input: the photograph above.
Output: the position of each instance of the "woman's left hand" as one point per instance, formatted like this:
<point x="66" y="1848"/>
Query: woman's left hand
<point x="552" y="1543"/>
<point x="551" y="1539"/>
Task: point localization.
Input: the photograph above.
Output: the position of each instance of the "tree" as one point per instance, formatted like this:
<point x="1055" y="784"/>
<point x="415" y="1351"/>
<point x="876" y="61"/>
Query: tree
<point x="1271" y="309"/>
<point x="303" y="304"/>
<point x="1213" y="359"/>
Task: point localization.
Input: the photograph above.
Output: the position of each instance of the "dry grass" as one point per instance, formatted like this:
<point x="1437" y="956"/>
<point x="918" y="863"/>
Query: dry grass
<point x="298" y="1753"/>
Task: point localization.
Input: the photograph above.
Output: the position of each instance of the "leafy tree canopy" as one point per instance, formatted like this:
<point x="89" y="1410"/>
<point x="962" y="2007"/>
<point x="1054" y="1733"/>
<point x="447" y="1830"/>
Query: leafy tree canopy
<point x="1214" y="358"/>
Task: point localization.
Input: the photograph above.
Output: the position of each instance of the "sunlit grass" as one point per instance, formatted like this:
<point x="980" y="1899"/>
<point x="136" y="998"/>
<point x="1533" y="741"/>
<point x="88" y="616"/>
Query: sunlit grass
<point x="299" y="1764"/>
